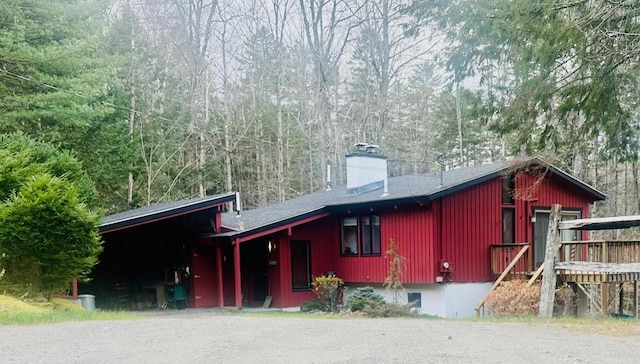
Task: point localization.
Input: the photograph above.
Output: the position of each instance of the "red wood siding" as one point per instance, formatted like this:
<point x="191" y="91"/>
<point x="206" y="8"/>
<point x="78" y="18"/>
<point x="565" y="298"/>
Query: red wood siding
<point x="458" y="228"/>
<point x="411" y="229"/>
<point x="548" y="192"/>
<point x="321" y="236"/>
<point x="472" y="218"/>
<point x="471" y="222"/>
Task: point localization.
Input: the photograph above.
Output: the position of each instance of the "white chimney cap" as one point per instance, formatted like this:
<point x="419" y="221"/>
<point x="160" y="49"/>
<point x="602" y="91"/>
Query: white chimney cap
<point x="372" y="147"/>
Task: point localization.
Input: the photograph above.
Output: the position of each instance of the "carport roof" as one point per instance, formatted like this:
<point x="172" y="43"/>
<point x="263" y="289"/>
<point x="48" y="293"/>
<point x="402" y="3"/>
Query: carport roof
<point x="412" y="188"/>
<point x="161" y="211"/>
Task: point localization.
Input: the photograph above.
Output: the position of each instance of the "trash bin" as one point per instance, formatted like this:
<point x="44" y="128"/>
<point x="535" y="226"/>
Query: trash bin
<point x="180" y="297"/>
<point x="87" y="301"/>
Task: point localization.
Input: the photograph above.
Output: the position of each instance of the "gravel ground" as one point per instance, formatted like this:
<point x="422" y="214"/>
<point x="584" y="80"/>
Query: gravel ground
<point x="209" y="337"/>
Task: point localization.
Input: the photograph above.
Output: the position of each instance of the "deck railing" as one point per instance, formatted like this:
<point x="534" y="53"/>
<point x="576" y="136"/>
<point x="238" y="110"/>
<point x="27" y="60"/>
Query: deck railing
<point x="603" y="251"/>
<point x="503" y="254"/>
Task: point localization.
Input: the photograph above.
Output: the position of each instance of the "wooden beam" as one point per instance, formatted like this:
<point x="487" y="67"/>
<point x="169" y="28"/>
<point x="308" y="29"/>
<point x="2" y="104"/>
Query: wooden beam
<point x="599" y="223"/>
<point x="237" y="276"/>
<point x="74" y="288"/>
<point x="598" y="267"/>
<point x="535" y="275"/>
<point x="548" y="289"/>
<point x="219" y="274"/>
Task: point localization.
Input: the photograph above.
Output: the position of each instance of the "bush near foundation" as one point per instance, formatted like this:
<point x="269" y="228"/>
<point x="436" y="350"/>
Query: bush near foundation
<point x="371" y="304"/>
<point x="514" y="298"/>
<point x="328" y="289"/>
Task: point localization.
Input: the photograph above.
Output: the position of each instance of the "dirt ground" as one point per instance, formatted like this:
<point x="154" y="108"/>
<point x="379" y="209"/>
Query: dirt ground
<point x="209" y="337"/>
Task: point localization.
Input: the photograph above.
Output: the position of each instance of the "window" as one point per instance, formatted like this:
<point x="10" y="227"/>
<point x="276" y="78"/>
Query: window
<point x="508" y="189"/>
<point x="360" y="234"/>
<point x="350" y="236"/>
<point x="508" y="210"/>
<point x="301" y="264"/>
<point x="508" y="225"/>
<point x="415" y="299"/>
<point x="370" y="235"/>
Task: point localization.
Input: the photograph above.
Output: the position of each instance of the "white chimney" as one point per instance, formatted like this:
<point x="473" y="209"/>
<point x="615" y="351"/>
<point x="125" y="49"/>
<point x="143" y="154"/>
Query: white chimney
<point x="366" y="169"/>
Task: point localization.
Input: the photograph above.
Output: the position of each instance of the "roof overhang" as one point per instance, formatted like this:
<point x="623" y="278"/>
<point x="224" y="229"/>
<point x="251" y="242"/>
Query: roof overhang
<point x="601" y="223"/>
<point x="284" y="224"/>
<point x="148" y="215"/>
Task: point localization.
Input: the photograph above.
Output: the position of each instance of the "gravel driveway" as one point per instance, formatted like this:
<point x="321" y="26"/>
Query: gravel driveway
<point x="209" y="337"/>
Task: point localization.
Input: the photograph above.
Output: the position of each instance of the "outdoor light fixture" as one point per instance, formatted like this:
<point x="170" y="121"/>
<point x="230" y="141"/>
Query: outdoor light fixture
<point x="271" y="246"/>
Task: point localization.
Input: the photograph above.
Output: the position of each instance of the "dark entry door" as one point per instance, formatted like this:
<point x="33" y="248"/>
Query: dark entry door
<point x="255" y="278"/>
<point x="540" y="230"/>
<point x="540" y="227"/>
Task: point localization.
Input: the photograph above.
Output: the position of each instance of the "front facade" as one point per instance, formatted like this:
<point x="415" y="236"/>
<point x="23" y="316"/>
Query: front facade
<point x="445" y="226"/>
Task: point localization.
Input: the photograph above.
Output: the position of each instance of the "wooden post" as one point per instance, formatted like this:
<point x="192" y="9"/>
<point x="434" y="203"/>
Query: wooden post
<point x="621" y="299"/>
<point x="219" y="273"/>
<point x="236" y="269"/>
<point x="547" y="291"/>
<point x="635" y="298"/>
<point x="74" y="289"/>
<point x="604" y="288"/>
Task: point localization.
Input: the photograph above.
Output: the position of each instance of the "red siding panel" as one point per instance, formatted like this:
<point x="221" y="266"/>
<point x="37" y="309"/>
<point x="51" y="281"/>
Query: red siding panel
<point x="471" y="222"/>
<point x="411" y="228"/>
<point x="472" y="218"/>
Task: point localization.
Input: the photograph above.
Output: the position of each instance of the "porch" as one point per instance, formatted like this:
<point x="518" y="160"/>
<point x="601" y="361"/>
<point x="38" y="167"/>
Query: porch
<point x="602" y="271"/>
<point x="586" y="261"/>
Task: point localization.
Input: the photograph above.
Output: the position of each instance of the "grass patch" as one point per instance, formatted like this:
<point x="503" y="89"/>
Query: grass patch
<point x="17" y="312"/>
<point x="31" y="318"/>
<point x="599" y="325"/>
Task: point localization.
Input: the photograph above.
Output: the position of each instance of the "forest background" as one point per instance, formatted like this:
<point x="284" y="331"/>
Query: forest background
<point x="169" y="99"/>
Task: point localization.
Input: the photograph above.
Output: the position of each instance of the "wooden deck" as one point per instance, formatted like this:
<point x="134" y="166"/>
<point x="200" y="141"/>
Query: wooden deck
<point x="583" y="263"/>
<point x="578" y="261"/>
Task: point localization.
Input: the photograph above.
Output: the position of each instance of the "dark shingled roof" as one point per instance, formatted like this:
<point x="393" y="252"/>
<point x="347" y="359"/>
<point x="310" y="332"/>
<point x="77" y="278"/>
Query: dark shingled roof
<point x="161" y="211"/>
<point x="417" y="188"/>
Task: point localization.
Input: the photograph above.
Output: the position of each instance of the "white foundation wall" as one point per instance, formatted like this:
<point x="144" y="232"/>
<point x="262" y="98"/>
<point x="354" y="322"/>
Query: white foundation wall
<point x="453" y="300"/>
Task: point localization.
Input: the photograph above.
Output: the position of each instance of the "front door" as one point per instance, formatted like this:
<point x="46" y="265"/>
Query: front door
<point x="540" y="231"/>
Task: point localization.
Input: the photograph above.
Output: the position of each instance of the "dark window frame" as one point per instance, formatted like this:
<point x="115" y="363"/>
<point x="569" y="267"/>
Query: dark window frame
<point x="309" y="277"/>
<point x="343" y="251"/>
<point x="373" y="239"/>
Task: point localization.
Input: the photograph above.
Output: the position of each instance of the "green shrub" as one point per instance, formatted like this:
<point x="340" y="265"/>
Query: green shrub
<point x="387" y="309"/>
<point x="372" y="304"/>
<point x="313" y="305"/>
<point x="363" y="297"/>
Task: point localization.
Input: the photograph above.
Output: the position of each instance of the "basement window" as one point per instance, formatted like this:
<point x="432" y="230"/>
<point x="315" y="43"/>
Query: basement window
<point x="415" y="299"/>
<point x="360" y="234"/>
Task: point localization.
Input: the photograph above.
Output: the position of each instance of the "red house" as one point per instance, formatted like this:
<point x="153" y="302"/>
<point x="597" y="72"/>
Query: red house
<point x="455" y="229"/>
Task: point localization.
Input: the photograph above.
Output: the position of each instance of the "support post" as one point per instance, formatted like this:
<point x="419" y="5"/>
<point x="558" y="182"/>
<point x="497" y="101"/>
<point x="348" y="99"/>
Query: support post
<point x="604" y="288"/>
<point x="236" y="269"/>
<point x="219" y="274"/>
<point x="621" y="299"/>
<point x="547" y="291"/>
<point x="635" y="299"/>
<point x="74" y="289"/>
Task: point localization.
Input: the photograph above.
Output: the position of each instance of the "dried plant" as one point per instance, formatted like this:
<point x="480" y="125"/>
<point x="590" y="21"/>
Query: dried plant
<point x="393" y="281"/>
<point x="514" y="298"/>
